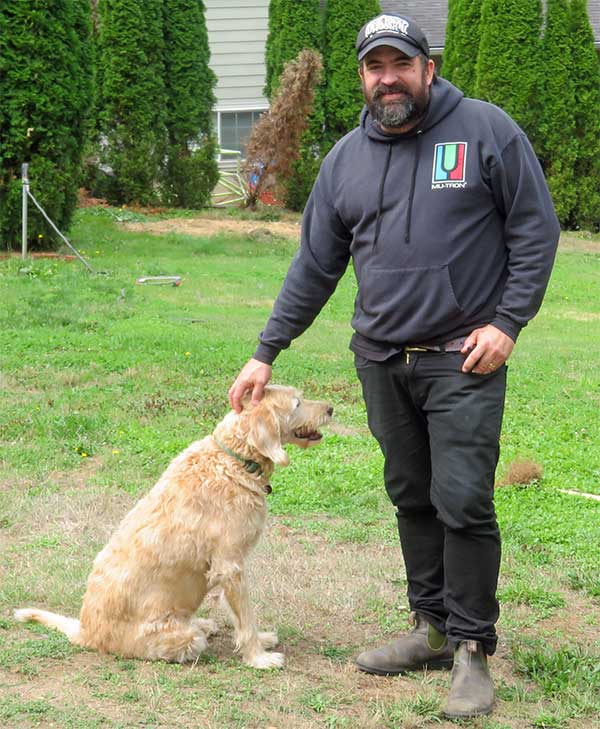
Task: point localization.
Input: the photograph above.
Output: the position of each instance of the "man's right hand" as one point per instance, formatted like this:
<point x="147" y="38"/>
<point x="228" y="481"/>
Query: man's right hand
<point x="254" y="376"/>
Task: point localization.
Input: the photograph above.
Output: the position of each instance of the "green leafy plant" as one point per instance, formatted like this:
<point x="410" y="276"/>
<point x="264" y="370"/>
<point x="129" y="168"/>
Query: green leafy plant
<point x="585" y="76"/>
<point x="46" y="89"/>
<point x="132" y="114"/>
<point x="508" y="61"/>
<point x="191" y="168"/>
<point x="461" y="44"/>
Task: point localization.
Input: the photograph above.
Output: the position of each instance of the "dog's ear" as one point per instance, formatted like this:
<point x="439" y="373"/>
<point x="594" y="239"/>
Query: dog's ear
<point x="265" y="434"/>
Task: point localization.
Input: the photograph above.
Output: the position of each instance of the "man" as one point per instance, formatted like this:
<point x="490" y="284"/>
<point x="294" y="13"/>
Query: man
<point x="441" y="204"/>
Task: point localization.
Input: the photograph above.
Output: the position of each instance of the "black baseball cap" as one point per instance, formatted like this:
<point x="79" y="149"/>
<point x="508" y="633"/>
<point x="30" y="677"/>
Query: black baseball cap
<point x="397" y="31"/>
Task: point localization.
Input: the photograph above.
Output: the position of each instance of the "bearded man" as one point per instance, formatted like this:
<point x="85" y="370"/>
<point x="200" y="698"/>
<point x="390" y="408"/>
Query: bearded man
<point x="442" y="206"/>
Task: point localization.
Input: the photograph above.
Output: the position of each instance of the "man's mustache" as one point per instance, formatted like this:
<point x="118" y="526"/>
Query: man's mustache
<point x="382" y="89"/>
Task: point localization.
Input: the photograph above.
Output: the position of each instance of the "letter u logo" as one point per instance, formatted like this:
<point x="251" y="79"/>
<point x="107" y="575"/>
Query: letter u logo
<point x="449" y="162"/>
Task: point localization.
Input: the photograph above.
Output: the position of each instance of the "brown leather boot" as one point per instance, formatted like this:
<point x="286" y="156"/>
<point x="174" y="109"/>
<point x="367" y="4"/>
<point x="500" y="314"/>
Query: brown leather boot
<point x="472" y="689"/>
<point x="423" y="647"/>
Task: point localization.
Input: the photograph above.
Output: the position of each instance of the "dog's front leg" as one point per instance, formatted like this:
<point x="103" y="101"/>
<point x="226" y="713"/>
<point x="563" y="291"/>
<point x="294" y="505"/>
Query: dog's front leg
<point x="248" y="640"/>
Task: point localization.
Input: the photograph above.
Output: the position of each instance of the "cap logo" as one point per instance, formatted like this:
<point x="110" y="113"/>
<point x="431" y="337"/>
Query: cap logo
<point x="386" y="23"/>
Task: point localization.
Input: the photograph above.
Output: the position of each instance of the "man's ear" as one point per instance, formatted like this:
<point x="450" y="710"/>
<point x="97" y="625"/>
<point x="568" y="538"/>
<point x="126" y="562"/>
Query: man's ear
<point x="265" y="434"/>
<point x="429" y="71"/>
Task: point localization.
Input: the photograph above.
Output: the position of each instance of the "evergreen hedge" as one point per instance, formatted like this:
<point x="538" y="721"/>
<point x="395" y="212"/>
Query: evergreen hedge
<point x="273" y="66"/>
<point x="191" y="168"/>
<point x="508" y="61"/>
<point x="45" y="87"/>
<point x="586" y="87"/>
<point x="557" y="141"/>
<point x="132" y="98"/>
<point x="462" y="44"/>
<point x="343" y="96"/>
<point x="294" y="26"/>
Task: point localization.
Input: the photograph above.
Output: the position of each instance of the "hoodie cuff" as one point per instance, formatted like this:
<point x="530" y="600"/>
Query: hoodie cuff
<point x="508" y="326"/>
<point x="266" y="354"/>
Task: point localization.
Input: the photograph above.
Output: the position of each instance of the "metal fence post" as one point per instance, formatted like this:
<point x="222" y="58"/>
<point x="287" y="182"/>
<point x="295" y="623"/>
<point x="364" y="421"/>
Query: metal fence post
<point x="25" y="180"/>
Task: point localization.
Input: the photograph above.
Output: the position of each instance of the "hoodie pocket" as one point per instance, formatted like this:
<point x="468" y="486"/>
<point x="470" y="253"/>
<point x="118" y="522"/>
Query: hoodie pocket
<point x="406" y="304"/>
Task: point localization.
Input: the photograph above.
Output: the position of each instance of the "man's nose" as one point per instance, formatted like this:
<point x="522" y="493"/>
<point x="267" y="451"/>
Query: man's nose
<point x="388" y="79"/>
<point x="388" y="76"/>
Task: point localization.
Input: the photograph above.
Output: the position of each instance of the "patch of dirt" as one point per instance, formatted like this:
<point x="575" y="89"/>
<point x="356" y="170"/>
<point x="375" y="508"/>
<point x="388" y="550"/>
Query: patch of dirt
<point x="38" y="254"/>
<point x="85" y="200"/>
<point x="579" y="243"/>
<point x="261" y="230"/>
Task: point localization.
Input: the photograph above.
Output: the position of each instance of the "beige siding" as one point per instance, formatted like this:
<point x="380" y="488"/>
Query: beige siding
<point x="237" y="32"/>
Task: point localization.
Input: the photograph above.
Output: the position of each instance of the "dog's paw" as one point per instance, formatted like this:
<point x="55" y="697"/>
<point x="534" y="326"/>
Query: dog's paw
<point x="193" y="650"/>
<point x="266" y="660"/>
<point x="207" y="626"/>
<point x="268" y="640"/>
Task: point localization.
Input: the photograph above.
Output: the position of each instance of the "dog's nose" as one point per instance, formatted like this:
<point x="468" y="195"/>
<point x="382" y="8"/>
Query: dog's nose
<point x="330" y="411"/>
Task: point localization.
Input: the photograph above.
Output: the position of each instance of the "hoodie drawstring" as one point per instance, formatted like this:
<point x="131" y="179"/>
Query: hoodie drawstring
<point x="380" y="201"/>
<point x="411" y="194"/>
<point x="412" y="188"/>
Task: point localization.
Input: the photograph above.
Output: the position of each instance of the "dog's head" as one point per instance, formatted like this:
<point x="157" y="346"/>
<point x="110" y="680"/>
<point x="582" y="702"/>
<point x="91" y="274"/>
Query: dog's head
<point x="284" y="416"/>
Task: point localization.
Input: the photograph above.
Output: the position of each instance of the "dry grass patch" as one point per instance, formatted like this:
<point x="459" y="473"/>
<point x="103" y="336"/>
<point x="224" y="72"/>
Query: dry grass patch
<point x="328" y="599"/>
<point x="579" y="243"/>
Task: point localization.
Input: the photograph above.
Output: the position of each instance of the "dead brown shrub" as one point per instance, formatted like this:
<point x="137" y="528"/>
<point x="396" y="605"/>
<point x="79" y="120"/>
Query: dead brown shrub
<point x="274" y="143"/>
<point x="521" y="472"/>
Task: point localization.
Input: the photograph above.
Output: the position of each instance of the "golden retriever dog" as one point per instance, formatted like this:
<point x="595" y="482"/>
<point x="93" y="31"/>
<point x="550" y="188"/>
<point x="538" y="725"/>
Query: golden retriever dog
<point x="191" y="533"/>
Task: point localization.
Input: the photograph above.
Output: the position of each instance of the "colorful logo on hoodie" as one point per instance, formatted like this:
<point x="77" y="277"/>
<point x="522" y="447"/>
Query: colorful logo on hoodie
<point x="449" y="164"/>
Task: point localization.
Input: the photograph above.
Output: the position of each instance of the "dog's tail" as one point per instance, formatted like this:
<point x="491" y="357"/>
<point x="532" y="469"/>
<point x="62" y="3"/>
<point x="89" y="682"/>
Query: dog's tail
<point x="69" y="626"/>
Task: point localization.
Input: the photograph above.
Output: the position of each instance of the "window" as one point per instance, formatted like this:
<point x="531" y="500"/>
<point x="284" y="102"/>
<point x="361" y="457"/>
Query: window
<point x="234" y="129"/>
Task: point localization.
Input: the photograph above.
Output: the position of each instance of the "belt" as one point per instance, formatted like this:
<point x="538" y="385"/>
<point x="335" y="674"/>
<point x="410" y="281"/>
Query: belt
<point x="454" y="345"/>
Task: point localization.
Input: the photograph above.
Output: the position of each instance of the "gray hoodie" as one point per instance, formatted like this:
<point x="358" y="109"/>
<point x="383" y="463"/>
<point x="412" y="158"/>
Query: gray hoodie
<point x="449" y="227"/>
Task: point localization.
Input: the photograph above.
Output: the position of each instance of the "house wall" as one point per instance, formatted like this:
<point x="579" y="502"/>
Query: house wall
<point x="237" y="34"/>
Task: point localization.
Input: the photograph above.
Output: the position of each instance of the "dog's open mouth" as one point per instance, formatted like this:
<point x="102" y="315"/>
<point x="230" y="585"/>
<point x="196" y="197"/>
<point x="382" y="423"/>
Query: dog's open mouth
<point x="307" y="434"/>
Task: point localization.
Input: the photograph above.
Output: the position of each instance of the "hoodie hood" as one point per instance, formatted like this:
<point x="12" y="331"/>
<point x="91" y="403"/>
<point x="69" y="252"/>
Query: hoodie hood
<point x="444" y="98"/>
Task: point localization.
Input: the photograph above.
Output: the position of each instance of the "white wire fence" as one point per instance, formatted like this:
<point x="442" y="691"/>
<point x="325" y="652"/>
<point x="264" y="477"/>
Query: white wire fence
<point x="27" y="195"/>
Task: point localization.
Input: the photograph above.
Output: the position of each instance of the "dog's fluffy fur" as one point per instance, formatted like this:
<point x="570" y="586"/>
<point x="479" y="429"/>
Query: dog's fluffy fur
<point x="191" y="533"/>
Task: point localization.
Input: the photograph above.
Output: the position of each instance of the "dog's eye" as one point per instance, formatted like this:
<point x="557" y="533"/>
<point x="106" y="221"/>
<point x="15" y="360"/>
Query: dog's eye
<point x="296" y="402"/>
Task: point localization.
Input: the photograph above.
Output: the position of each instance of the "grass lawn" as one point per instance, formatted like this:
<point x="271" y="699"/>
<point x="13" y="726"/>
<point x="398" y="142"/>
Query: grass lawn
<point x="103" y="381"/>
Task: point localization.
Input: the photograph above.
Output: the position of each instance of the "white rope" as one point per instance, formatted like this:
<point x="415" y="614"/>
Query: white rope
<point x="580" y="493"/>
<point x="56" y="230"/>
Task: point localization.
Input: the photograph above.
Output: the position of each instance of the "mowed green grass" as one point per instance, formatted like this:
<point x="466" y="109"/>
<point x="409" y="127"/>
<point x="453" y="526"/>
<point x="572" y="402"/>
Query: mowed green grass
<point x="103" y="381"/>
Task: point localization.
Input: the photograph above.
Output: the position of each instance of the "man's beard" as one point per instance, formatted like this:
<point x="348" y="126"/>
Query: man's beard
<point x="400" y="112"/>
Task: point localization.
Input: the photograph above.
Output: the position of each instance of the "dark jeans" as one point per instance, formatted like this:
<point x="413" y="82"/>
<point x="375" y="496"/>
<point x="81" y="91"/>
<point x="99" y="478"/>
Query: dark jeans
<point x="439" y="431"/>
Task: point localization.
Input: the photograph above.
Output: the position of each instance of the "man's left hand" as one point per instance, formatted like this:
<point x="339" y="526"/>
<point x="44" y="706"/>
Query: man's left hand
<point x="489" y="349"/>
